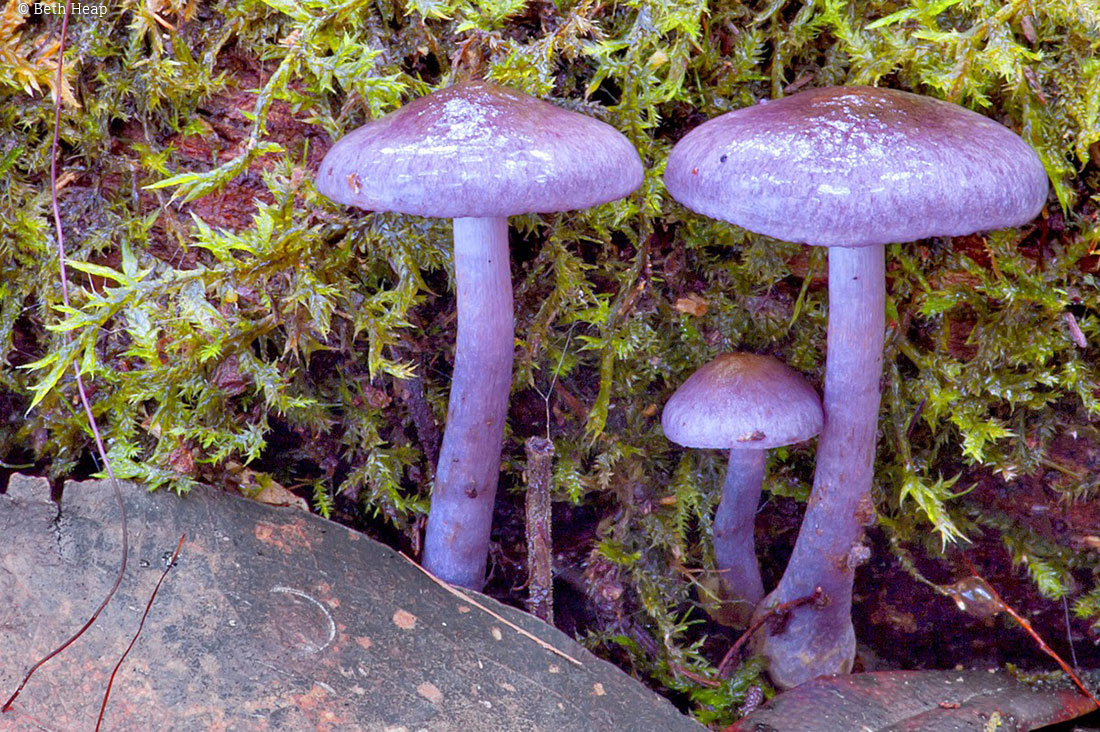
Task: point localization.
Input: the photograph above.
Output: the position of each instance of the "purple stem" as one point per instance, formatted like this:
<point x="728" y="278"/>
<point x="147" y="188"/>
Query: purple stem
<point x="734" y="546"/>
<point x="822" y="641"/>
<point x="456" y="541"/>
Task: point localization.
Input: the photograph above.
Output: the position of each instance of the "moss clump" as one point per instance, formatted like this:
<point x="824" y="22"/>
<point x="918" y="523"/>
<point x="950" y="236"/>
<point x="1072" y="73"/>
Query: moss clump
<point x="236" y="324"/>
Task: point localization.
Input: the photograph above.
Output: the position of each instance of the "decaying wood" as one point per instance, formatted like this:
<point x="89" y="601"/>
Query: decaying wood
<point x="411" y="392"/>
<point x="540" y="543"/>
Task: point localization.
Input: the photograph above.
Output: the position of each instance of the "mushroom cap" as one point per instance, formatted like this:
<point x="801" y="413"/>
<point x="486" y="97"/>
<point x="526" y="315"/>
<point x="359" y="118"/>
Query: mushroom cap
<point x="854" y="166"/>
<point x="742" y="401"/>
<point x="481" y="150"/>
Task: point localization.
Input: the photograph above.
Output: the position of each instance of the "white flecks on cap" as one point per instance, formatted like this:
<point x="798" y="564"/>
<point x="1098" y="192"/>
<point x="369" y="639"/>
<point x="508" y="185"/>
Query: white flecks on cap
<point x="854" y="166"/>
<point x="480" y="150"/>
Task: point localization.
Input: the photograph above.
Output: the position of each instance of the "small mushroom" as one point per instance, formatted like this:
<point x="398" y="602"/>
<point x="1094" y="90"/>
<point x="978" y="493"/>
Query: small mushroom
<point x="478" y="153"/>
<point x="851" y="168"/>
<point x="747" y="404"/>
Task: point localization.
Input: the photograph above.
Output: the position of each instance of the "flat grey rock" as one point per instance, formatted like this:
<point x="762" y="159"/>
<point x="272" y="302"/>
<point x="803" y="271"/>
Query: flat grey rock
<point x="272" y="620"/>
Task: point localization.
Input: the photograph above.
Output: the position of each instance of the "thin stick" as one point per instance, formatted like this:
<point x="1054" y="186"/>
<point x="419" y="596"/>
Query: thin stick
<point x="1038" y="639"/>
<point x="148" y="606"/>
<point x="1047" y="649"/>
<point x="816" y="597"/>
<point x="1069" y="634"/>
<point x="466" y="598"/>
<point x="76" y="369"/>
<point x="691" y="675"/>
<point x="554" y="379"/>
<point x="540" y="542"/>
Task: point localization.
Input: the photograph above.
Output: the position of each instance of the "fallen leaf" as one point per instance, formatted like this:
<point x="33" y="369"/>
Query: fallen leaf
<point x="228" y="377"/>
<point x="718" y="602"/>
<point x="693" y="305"/>
<point x="274" y="494"/>
<point x="181" y="459"/>
<point x="916" y="701"/>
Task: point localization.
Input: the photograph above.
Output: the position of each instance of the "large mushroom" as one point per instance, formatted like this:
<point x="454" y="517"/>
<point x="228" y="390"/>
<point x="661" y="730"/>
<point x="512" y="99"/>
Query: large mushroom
<point x="850" y="168"/>
<point x="748" y="404"/>
<point x="478" y="153"/>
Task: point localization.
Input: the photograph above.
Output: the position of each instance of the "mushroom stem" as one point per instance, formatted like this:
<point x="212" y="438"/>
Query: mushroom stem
<point x="734" y="547"/>
<point x="821" y="641"/>
<point x="456" y="541"/>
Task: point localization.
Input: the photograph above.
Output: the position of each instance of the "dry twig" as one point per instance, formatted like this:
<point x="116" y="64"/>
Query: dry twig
<point x="540" y="542"/>
<point x="466" y="598"/>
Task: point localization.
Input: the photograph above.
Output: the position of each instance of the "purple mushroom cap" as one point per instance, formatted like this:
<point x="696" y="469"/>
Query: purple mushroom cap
<point x="742" y="401"/>
<point x="746" y="403"/>
<point x="852" y="166"/>
<point x="480" y="150"/>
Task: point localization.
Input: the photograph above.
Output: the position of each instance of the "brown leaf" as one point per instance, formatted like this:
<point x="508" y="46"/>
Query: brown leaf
<point x="181" y="460"/>
<point x="228" y="377"/>
<point x="693" y="305"/>
<point x="717" y="601"/>
<point x="274" y="494"/>
<point x="916" y="701"/>
<point x="376" y="398"/>
<point x="1028" y="27"/>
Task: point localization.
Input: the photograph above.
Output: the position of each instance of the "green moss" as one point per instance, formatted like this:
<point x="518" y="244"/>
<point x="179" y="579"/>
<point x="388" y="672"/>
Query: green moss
<point x="220" y="303"/>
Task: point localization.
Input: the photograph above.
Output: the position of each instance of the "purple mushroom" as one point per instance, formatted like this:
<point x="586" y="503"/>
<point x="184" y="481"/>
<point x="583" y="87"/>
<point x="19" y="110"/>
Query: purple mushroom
<point x="747" y="404"/>
<point x="477" y="153"/>
<point x="850" y="168"/>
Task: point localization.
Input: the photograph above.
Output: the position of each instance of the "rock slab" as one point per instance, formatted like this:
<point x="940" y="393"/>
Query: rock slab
<point x="272" y="620"/>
